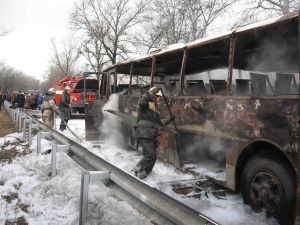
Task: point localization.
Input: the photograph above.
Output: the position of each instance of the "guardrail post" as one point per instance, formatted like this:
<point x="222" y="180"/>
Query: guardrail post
<point x="41" y="135"/>
<point x="88" y="177"/>
<point x="21" y="117"/>
<point x="17" y="112"/>
<point x="32" y="126"/>
<point x="11" y="113"/>
<point x="17" y="118"/>
<point x="55" y="149"/>
<point x="25" y="130"/>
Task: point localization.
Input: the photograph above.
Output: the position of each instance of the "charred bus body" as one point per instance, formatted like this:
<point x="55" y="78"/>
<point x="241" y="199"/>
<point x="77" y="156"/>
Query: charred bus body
<point x="236" y="101"/>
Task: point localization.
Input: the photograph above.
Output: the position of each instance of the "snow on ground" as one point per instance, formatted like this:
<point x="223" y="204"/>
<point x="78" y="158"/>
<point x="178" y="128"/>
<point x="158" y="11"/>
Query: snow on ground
<point x="229" y="211"/>
<point x="28" y="192"/>
<point x="45" y="200"/>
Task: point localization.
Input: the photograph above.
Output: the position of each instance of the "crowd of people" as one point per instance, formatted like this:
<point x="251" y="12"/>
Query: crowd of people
<point x="34" y="100"/>
<point x="24" y="100"/>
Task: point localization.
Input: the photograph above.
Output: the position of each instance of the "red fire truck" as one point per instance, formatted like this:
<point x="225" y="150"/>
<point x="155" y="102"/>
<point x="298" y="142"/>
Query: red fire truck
<point x="76" y="83"/>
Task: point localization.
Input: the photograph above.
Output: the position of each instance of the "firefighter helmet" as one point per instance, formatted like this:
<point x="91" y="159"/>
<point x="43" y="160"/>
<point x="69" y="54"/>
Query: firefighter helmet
<point x="155" y="91"/>
<point x="51" y="91"/>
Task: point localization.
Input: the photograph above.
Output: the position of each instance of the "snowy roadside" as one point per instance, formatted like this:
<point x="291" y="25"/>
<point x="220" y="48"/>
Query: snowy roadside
<point x="30" y="196"/>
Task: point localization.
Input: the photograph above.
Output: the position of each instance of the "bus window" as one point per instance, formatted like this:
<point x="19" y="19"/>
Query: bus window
<point x="135" y="90"/>
<point x="243" y="87"/>
<point x="144" y="89"/>
<point x="173" y="86"/>
<point x="261" y="85"/>
<point x="285" y="84"/>
<point x="196" y="87"/>
<point x="161" y="85"/>
<point x="218" y="87"/>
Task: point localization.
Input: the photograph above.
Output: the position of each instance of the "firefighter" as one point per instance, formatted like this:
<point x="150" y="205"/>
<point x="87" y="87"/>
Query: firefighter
<point x="148" y="123"/>
<point x="48" y="108"/>
<point x="65" y="109"/>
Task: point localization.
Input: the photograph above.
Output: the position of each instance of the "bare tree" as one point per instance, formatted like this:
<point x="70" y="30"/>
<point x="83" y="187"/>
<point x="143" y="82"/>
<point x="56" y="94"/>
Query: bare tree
<point x="65" y="58"/>
<point x="108" y="28"/>
<point x="92" y="49"/>
<point x="255" y="10"/>
<point x="54" y="74"/>
<point x="176" y="21"/>
<point x="11" y="79"/>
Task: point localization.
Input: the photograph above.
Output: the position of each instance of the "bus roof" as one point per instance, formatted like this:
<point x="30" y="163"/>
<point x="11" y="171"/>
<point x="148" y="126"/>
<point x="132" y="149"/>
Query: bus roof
<point x="269" y="45"/>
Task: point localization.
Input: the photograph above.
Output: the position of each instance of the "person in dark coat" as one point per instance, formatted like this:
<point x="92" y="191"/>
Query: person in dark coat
<point x="64" y="108"/>
<point x="148" y="123"/>
<point x="21" y="100"/>
<point x="4" y="98"/>
<point x="1" y="100"/>
<point x="39" y="101"/>
<point x="31" y="101"/>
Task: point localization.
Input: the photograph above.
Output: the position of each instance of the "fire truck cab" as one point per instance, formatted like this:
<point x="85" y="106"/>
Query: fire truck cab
<point x="77" y="98"/>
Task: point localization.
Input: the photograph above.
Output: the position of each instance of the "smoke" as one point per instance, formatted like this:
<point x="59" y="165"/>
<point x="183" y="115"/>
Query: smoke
<point x="112" y="124"/>
<point x="275" y="55"/>
<point x="205" y="148"/>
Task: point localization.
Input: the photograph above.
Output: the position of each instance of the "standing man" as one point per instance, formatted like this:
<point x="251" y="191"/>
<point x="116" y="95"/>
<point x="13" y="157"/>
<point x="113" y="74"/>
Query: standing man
<point x="48" y="108"/>
<point x="39" y="101"/>
<point x="148" y="123"/>
<point x="21" y="100"/>
<point x="1" y="100"/>
<point x="65" y="109"/>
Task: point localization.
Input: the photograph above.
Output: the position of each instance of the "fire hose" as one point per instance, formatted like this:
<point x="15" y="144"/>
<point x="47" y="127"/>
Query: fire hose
<point x="67" y="126"/>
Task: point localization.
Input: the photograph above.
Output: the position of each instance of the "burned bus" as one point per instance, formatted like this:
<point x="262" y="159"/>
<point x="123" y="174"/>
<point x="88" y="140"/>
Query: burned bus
<point x="235" y="97"/>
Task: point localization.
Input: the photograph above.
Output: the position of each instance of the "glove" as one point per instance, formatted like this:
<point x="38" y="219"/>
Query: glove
<point x="166" y="122"/>
<point x="172" y="118"/>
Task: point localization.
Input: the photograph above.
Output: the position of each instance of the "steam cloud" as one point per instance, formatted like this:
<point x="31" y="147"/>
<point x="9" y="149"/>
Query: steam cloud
<point x="203" y="148"/>
<point x="111" y="125"/>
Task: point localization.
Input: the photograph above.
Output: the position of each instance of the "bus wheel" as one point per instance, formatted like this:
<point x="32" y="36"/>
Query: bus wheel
<point x="269" y="184"/>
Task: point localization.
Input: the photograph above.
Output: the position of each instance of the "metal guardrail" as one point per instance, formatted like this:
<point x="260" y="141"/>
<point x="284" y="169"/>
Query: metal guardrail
<point x="161" y="208"/>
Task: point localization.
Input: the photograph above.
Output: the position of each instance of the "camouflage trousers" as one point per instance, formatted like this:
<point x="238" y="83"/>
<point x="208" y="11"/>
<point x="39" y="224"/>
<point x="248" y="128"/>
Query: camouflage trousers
<point x="149" y="155"/>
<point x="49" y="121"/>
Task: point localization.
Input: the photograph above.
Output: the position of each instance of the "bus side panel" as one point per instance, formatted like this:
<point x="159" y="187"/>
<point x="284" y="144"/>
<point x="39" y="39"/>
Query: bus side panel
<point x="167" y="150"/>
<point x="234" y="122"/>
<point x="244" y="119"/>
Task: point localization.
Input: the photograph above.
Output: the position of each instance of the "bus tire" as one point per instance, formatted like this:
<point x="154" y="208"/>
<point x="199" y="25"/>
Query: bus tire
<point x="269" y="184"/>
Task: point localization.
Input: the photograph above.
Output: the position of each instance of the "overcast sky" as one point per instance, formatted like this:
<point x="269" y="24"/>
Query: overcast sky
<point x="32" y="24"/>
